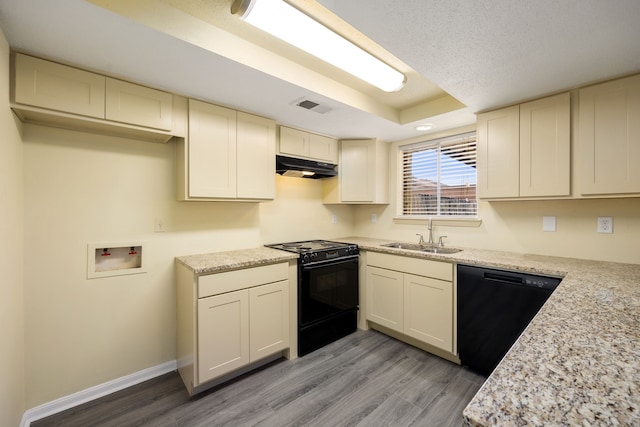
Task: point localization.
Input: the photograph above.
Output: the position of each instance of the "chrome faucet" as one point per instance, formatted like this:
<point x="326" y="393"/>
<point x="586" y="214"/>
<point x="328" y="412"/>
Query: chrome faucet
<point x="430" y="227"/>
<point x="421" y="241"/>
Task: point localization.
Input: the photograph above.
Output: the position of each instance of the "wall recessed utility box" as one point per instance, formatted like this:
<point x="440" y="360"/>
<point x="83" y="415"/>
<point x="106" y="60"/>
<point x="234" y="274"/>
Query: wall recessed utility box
<point x="115" y="259"/>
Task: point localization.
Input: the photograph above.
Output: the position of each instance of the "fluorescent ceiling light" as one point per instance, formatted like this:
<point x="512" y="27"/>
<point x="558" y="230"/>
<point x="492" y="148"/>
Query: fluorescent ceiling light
<point x="424" y="127"/>
<point x="287" y="23"/>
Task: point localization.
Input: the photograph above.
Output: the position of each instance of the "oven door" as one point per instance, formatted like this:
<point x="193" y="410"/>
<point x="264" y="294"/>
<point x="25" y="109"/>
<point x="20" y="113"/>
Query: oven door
<point x="326" y="289"/>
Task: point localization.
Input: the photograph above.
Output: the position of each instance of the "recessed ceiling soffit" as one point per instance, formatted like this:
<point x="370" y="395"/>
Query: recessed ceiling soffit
<point x="210" y="25"/>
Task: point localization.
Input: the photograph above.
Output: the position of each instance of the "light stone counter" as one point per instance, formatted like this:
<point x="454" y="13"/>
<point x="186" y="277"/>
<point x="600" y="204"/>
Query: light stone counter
<point x="578" y="361"/>
<point x="218" y="262"/>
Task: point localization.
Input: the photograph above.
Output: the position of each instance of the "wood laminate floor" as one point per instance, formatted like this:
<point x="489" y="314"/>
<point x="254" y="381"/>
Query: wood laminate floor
<point x="365" y="379"/>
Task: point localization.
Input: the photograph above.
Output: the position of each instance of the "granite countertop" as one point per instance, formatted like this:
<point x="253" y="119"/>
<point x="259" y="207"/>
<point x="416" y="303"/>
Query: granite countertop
<point x="217" y="262"/>
<point x="578" y="361"/>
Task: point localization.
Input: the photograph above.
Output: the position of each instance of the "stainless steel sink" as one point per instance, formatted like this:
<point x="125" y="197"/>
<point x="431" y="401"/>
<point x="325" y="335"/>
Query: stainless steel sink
<point x="437" y="250"/>
<point x="408" y="246"/>
<point x="415" y="247"/>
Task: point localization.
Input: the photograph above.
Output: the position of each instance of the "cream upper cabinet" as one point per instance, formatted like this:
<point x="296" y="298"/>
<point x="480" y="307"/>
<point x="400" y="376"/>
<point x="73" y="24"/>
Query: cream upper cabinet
<point x="211" y="151"/>
<point x="323" y="148"/>
<point x="49" y="93"/>
<point x="227" y="321"/>
<point x="499" y="153"/>
<point x="227" y="155"/>
<point x="57" y="87"/>
<point x="609" y="138"/>
<point x="363" y="174"/>
<point x="525" y="150"/>
<point x="411" y="296"/>
<point x="545" y="147"/>
<point x="256" y="153"/>
<point x="139" y="105"/>
<point x="293" y="142"/>
<point x="298" y="143"/>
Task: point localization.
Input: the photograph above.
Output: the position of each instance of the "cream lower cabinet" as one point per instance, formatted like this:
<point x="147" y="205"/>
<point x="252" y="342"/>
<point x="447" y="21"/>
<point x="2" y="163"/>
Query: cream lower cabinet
<point x="411" y="296"/>
<point x="223" y="334"/>
<point x="428" y="310"/>
<point x="230" y="322"/>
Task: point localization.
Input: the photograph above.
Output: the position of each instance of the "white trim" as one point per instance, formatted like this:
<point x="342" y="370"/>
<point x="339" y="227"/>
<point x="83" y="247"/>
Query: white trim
<point x="95" y="392"/>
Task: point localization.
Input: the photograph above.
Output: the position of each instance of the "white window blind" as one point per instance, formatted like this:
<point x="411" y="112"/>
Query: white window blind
<point x="439" y="177"/>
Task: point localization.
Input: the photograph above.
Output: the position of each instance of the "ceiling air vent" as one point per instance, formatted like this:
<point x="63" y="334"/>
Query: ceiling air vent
<point x="307" y="104"/>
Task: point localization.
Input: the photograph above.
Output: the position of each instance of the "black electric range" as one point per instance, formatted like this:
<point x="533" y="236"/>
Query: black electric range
<point x="327" y="291"/>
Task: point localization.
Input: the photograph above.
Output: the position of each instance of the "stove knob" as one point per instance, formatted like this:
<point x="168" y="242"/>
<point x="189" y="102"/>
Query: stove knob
<point x="314" y="256"/>
<point x="305" y="258"/>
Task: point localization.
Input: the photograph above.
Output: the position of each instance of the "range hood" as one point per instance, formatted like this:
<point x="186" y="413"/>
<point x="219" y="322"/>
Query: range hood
<point x="303" y="168"/>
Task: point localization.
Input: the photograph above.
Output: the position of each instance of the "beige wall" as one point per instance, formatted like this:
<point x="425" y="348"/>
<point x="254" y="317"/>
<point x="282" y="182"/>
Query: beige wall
<point x="517" y="226"/>
<point x="298" y="214"/>
<point x="12" y="397"/>
<point x="82" y="188"/>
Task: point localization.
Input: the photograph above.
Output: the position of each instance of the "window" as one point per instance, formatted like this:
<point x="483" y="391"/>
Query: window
<point x="439" y="177"/>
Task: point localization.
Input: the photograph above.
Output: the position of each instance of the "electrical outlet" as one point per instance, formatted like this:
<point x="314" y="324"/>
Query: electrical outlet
<point x="374" y="218"/>
<point x="334" y="219"/>
<point x="605" y="224"/>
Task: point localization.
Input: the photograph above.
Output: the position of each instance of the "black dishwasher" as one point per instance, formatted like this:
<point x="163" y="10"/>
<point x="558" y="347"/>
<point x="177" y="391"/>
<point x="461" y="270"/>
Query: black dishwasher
<point x="494" y="307"/>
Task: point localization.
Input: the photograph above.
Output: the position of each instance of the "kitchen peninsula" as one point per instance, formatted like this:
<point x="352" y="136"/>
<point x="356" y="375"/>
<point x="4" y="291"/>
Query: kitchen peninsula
<point x="577" y="362"/>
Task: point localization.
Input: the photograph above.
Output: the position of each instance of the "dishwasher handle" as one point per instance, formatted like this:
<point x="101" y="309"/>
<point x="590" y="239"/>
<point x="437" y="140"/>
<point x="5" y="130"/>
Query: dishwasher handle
<point x="503" y="278"/>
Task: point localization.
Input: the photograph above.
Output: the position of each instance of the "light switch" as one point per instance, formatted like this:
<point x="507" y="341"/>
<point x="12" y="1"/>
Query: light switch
<point x="548" y="223"/>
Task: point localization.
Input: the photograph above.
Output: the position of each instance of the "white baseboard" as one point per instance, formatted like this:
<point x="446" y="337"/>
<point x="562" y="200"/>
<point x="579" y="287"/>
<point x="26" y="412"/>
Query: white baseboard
<point x="94" y="392"/>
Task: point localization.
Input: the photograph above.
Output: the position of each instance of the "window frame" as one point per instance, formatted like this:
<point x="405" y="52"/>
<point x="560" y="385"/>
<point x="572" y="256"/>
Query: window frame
<point x="453" y="220"/>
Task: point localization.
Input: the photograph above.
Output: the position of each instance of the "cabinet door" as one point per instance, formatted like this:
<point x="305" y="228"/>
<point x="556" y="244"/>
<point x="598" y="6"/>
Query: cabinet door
<point x="57" y="87"/>
<point x="268" y="319"/>
<point x="609" y="139"/>
<point x="357" y="171"/>
<point x="385" y="298"/>
<point x="293" y="142"/>
<point x="138" y="105"/>
<point x="428" y="310"/>
<point x="545" y="146"/>
<point x="211" y="151"/>
<point x="323" y="148"/>
<point x="223" y="334"/>
<point x="256" y="151"/>
<point x="498" y="161"/>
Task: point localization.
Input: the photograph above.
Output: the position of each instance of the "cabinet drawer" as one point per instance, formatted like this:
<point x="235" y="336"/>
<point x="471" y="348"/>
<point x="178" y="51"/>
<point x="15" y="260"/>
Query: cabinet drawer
<point x="420" y="267"/>
<point x="229" y="281"/>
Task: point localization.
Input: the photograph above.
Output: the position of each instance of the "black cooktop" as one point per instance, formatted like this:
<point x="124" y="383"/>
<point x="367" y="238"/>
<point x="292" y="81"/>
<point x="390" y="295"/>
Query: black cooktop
<point x="318" y="250"/>
<point x="309" y="246"/>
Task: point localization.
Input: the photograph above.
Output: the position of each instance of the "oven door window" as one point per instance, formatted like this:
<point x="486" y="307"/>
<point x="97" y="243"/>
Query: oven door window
<point x="328" y="289"/>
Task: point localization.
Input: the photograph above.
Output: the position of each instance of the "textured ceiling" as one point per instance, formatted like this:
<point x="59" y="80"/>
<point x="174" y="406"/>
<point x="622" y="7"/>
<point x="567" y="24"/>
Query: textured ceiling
<point x="483" y="53"/>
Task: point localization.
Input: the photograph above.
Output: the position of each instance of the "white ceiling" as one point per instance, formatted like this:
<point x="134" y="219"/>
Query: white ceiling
<point x="484" y="53"/>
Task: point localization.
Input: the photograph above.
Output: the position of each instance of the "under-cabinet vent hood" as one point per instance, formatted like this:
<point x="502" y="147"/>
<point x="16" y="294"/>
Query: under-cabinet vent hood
<point x="302" y="168"/>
